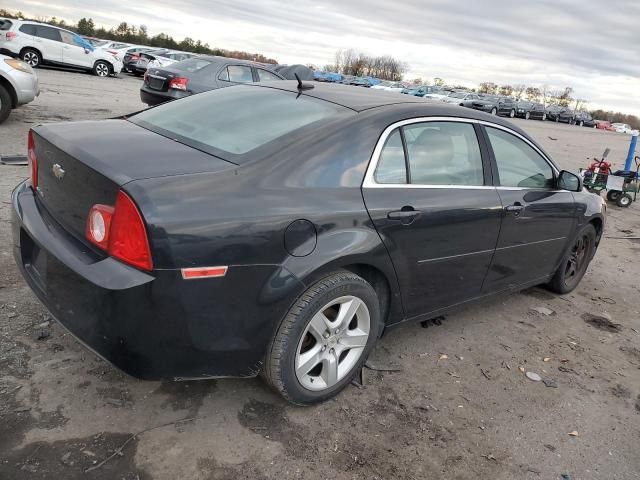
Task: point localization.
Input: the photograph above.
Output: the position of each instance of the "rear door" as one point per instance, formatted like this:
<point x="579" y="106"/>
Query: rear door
<point x="538" y="218"/>
<point x="49" y="42"/>
<point x="428" y="192"/>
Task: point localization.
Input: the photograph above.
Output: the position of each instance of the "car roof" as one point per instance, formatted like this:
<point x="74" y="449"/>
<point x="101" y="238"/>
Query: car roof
<point x="218" y="59"/>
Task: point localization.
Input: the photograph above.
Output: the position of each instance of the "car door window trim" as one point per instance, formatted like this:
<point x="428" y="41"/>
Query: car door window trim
<point x="369" y="179"/>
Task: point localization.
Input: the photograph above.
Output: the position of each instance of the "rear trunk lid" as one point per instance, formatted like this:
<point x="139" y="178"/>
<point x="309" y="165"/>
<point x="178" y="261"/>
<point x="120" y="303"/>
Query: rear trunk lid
<point x="81" y="164"/>
<point x="159" y="78"/>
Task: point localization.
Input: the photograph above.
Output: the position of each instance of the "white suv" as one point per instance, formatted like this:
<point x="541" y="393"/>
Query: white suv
<point x="37" y="43"/>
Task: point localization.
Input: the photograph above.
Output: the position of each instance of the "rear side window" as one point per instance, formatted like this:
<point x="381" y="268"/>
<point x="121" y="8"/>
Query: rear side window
<point x="236" y="73"/>
<point x="245" y="118"/>
<point x="48" y="33"/>
<point x="266" y="76"/>
<point x="438" y="153"/>
<point x="5" y="24"/>
<point x="191" y="65"/>
<point x="28" y="28"/>
<point x="519" y="165"/>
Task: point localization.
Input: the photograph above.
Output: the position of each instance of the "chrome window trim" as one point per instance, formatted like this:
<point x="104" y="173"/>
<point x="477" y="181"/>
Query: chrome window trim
<point x="369" y="180"/>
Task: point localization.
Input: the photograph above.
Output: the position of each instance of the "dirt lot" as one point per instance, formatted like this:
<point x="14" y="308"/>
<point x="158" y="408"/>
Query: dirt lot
<point x="470" y="415"/>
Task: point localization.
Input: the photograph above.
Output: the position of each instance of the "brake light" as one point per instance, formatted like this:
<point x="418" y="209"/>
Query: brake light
<point x="179" y="83"/>
<point x="11" y="35"/>
<point x="135" y="56"/>
<point x="32" y="159"/>
<point x="120" y="231"/>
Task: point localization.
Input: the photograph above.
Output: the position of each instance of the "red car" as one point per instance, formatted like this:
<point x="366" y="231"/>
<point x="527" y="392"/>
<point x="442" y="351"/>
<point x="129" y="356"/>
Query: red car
<point x="604" y="125"/>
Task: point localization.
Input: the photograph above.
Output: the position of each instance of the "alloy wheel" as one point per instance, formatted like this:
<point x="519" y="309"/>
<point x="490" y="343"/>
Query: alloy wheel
<point x="102" y="70"/>
<point x="31" y="59"/>
<point x="494" y="111"/>
<point x="527" y="116"/>
<point x="512" y="113"/>
<point x="332" y="343"/>
<point x="544" y="116"/>
<point x="578" y="260"/>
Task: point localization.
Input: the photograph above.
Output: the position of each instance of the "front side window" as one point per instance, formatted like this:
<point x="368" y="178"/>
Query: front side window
<point x="438" y="153"/>
<point x="519" y="164"/>
<point x="67" y="38"/>
<point x="266" y="76"/>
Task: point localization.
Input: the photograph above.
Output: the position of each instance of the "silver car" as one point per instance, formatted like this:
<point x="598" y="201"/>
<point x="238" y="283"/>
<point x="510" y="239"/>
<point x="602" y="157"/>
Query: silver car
<point x="18" y="85"/>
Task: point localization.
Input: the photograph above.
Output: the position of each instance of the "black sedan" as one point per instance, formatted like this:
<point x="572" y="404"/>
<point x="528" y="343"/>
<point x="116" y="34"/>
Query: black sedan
<point x="495" y="105"/>
<point x="559" y="114"/>
<point x="280" y="228"/>
<point x="200" y="74"/>
<point x="530" y="110"/>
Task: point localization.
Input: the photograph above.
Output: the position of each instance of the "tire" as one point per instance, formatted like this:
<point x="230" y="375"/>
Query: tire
<point x="101" y="69"/>
<point x="544" y="117"/>
<point x="581" y="123"/>
<point x="613" y="195"/>
<point x="303" y="377"/>
<point x="557" y="119"/>
<point x="5" y="104"/>
<point x="512" y="113"/>
<point x="624" y="200"/>
<point x="31" y="57"/>
<point x="575" y="261"/>
<point x="527" y="116"/>
<point x="494" y="111"/>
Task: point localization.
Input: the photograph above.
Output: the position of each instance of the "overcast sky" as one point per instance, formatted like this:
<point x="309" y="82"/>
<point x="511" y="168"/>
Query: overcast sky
<point x="591" y="45"/>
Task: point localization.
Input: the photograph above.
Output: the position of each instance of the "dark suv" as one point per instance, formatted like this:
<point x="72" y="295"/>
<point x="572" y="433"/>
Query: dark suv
<point x="495" y="105"/>
<point x="584" y="119"/>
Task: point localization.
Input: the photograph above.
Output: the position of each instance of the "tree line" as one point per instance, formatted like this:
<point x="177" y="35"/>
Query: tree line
<point x="129" y="33"/>
<point x="358" y="64"/>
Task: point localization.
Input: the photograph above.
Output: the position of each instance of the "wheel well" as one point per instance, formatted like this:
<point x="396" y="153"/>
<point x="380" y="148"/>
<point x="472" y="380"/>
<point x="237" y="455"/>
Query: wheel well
<point x="379" y="282"/>
<point x="9" y="88"/>
<point x="597" y="224"/>
<point x="31" y="48"/>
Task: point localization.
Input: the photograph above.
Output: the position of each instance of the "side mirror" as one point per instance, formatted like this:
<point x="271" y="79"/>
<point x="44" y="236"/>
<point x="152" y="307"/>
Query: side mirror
<point x="569" y="181"/>
<point x="86" y="50"/>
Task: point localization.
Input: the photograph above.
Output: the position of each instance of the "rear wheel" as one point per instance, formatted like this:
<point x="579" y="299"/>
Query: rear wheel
<point x="5" y="104"/>
<point x="494" y="111"/>
<point x="581" y="123"/>
<point x="624" y="200"/>
<point x="324" y="339"/>
<point x="575" y="261"/>
<point x="557" y="119"/>
<point x="544" y="116"/>
<point x="31" y="57"/>
<point x="101" y="69"/>
<point x="512" y="113"/>
<point x="527" y="116"/>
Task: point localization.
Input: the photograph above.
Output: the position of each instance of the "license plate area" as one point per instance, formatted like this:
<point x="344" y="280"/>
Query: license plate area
<point x="34" y="260"/>
<point x="156" y="83"/>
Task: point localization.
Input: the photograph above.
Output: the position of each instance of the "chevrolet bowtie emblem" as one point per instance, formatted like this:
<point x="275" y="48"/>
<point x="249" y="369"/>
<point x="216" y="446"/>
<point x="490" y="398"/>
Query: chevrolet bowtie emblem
<point x="58" y="172"/>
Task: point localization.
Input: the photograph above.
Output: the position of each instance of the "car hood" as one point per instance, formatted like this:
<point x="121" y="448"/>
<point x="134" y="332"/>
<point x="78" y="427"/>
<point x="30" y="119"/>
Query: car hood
<point x="123" y="151"/>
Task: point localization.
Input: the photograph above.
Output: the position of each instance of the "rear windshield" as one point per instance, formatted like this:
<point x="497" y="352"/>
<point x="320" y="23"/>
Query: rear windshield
<point x="232" y="121"/>
<point x="192" y="65"/>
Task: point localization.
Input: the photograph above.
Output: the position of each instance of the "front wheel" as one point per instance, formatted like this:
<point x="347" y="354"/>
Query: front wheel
<point x="5" y="104"/>
<point x="581" y="123"/>
<point x="324" y="339"/>
<point x="575" y="261"/>
<point x="613" y="195"/>
<point x="101" y="69"/>
<point x="544" y="117"/>
<point x="527" y="116"/>
<point x="512" y="113"/>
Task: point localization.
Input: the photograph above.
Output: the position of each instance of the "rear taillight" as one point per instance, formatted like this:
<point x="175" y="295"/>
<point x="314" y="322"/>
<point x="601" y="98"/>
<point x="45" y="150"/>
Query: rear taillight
<point x="120" y="231"/>
<point x="11" y="35"/>
<point x="146" y="76"/>
<point x="179" y="83"/>
<point x="135" y="56"/>
<point x="32" y="159"/>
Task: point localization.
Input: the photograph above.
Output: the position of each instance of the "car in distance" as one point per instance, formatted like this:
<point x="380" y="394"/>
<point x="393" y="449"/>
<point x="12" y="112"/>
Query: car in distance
<point x="200" y="74"/>
<point x="530" y="110"/>
<point x="298" y="224"/>
<point x="559" y="114"/>
<point x="584" y="119"/>
<point x="18" y="85"/>
<point x="622" y="127"/>
<point x="495" y="105"/>
<point x="38" y="43"/>
<point x="464" y="99"/>
<point x="421" y="91"/>
<point x="605" y="125"/>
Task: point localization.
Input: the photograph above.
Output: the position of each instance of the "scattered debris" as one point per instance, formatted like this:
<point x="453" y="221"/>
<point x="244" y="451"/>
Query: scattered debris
<point x="573" y="434"/>
<point x="543" y="311"/>
<point x="534" y="470"/>
<point x="621" y="391"/>
<point x="546" y="359"/>
<point x="424" y="355"/>
<point x="601" y="321"/>
<point x="22" y="409"/>
<point x="486" y="375"/>
<point x="435" y="321"/>
<point x="564" y="369"/>
<point x="608" y="300"/>
<point x="550" y="383"/>
<point x="533" y="376"/>
<point x="443" y="356"/>
<point x="521" y="369"/>
<point x="506" y="365"/>
<point x="549" y="447"/>
<point x="551" y="138"/>
<point x="566" y="476"/>
<point x="65" y="459"/>
<point x="454" y="375"/>
<point x="14" y="160"/>
<point x="41" y="334"/>
<point x="382" y="369"/>
<point x="490" y="457"/>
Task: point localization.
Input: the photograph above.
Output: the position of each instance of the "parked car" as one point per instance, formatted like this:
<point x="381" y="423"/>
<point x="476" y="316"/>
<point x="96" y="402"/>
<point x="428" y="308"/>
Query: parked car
<point x="200" y="74"/>
<point x="132" y="55"/>
<point x="18" y="85"/>
<point x="256" y="232"/>
<point x="421" y="91"/>
<point x="622" y="127"/>
<point x="533" y="110"/>
<point x="464" y="99"/>
<point x="390" y="87"/>
<point x="556" y="113"/>
<point x="605" y="125"/>
<point x="37" y="43"/>
<point x="438" y="93"/>
<point x="139" y="63"/>
<point x="584" y="119"/>
<point x="169" y="58"/>
<point x="495" y="105"/>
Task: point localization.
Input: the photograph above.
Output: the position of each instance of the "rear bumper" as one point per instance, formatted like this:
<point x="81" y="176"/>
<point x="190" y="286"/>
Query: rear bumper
<point x="155" y="97"/>
<point x="26" y="86"/>
<point x="150" y="325"/>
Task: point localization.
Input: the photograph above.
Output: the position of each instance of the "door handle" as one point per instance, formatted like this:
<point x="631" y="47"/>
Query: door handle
<point x="406" y="215"/>
<point x="516" y="208"/>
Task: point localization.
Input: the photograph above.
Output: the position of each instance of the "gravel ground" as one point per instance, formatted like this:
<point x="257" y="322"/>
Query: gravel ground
<point x="473" y="414"/>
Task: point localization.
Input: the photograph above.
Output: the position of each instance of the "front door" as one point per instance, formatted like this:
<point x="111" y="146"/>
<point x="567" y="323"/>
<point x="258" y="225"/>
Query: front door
<point x="429" y="196"/>
<point x="73" y="53"/>
<point x="538" y="218"/>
